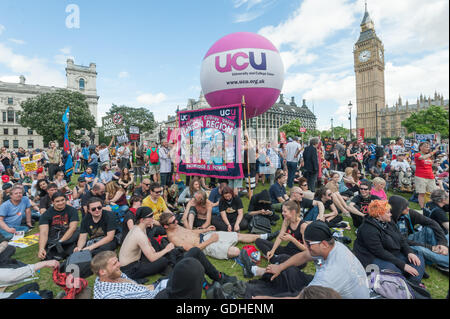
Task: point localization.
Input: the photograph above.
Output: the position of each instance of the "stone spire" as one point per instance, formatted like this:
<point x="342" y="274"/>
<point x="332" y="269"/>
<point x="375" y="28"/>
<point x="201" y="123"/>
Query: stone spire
<point x="366" y="22"/>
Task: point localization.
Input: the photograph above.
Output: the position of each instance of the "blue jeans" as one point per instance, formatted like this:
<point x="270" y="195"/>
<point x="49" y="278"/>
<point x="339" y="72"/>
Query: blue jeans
<point x="426" y="236"/>
<point x="8" y="236"/>
<point x="383" y="264"/>
<point x="292" y="167"/>
<point x="312" y="214"/>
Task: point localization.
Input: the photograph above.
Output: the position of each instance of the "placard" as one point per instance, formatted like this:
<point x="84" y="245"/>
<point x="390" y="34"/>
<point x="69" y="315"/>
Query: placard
<point x="209" y="143"/>
<point x="113" y="125"/>
<point x="30" y="166"/>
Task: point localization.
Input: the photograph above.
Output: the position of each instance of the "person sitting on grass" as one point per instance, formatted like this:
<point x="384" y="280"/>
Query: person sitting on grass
<point x="290" y="232"/>
<point x="336" y="268"/>
<point x="156" y="202"/>
<point x="332" y="219"/>
<point x="112" y="283"/>
<point x="13" y="211"/>
<point x="381" y="243"/>
<point x="378" y="188"/>
<point x="58" y="232"/>
<point x="215" y="195"/>
<point x="129" y="219"/>
<point x="89" y="176"/>
<point x="360" y="203"/>
<point x="430" y="240"/>
<point x="437" y="209"/>
<point x="231" y="213"/>
<point x="218" y="245"/>
<point x="46" y="201"/>
<point x="197" y="213"/>
<point x="303" y="184"/>
<point x="278" y="192"/>
<point x="310" y="209"/>
<point x="260" y="204"/>
<point x="339" y="198"/>
<point x="97" y="230"/>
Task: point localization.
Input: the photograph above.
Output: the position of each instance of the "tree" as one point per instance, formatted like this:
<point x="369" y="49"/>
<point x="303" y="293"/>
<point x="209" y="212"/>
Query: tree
<point x="140" y="117"/>
<point x="429" y="121"/>
<point x="292" y="128"/>
<point x="44" y="112"/>
<point x="339" y="131"/>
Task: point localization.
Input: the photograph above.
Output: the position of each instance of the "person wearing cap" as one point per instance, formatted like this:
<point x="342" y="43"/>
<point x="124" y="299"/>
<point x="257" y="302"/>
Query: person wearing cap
<point x="5" y="193"/>
<point x="380" y="242"/>
<point x="293" y="149"/>
<point x="78" y="191"/>
<point x="97" y="229"/>
<point x="336" y="267"/>
<point x="137" y="257"/>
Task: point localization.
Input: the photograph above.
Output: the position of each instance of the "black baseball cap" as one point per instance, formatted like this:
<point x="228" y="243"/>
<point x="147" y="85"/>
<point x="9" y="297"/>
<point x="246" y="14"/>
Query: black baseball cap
<point x="81" y="179"/>
<point x="144" y="212"/>
<point x="318" y="231"/>
<point x="6" y="186"/>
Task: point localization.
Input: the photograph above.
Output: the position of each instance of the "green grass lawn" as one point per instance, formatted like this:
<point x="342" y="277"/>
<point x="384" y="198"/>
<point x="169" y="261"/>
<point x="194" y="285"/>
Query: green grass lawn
<point x="437" y="284"/>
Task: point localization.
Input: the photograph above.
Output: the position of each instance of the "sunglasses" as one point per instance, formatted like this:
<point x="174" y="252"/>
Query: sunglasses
<point x="303" y="185"/>
<point x="363" y="189"/>
<point x="96" y="208"/>
<point x="145" y="184"/>
<point x="310" y="243"/>
<point x="158" y="192"/>
<point x="328" y="194"/>
<point x="174" y="222"/>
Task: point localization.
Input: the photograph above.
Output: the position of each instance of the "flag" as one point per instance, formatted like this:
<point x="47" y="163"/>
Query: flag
<point x="68" y="166"/>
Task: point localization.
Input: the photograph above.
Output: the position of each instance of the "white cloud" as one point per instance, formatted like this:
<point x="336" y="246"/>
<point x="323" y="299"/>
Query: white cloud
<point x="150" y="99"/>
<point x="36" y="70"/>
<point x="123" y="75"/>
<point x="250" y="9"/>
<point x="17" y="41"/>
<point x="63" y="56"/>
<point x="10" y="78"/>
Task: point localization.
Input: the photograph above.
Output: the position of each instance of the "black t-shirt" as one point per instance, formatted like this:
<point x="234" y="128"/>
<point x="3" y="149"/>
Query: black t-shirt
<point x="328" y="204"/>
<point x="230" y="207"/>
<point x="45" y="202"/>
<point x="94" y="230"/>
<point x="438" y="214"/>
<point x="129" y="215"/>
<point x="362" y="203"/>
<point x="139" y="192"/>
<point x="58" y="221"/>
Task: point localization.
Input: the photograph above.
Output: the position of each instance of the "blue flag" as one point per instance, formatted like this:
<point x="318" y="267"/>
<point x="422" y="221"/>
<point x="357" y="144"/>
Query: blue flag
<point x="68" y="166"/>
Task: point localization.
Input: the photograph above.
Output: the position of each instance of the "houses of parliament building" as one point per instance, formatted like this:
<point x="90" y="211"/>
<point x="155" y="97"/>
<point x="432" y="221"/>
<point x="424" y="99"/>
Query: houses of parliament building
<point x="372" y="112"/>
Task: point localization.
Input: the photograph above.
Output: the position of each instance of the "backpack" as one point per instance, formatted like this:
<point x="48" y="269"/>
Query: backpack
<point x="79" y="261"/>
<point x="390" y="284"/>
<point x="253" y="253"/>
<point x="154" y="157"/>
<point x="260" y="225"/>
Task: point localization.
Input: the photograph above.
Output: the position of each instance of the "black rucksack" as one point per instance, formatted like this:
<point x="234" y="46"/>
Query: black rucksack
<point x="260" y="225"/>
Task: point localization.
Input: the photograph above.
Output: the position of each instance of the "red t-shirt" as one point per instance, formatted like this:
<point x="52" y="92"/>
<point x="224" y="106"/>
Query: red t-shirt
<point x="424" y="168"/>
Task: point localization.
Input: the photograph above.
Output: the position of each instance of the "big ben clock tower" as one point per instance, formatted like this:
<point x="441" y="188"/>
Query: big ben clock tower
<point x="369" y="73"/>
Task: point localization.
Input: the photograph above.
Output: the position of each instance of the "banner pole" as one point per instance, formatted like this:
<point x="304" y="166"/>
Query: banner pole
<point x="176" y="150"/>
<point x="248" y="150"/>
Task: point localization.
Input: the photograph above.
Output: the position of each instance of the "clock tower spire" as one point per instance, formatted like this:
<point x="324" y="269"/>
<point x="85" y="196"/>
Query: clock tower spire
<point x="368" y="55"/>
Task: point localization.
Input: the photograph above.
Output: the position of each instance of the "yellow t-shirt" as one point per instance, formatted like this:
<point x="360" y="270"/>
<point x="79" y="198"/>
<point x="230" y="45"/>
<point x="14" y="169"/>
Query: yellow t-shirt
<point x="158" y="208"/>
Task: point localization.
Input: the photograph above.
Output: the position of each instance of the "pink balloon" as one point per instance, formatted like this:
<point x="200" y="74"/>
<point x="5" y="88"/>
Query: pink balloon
<point x="242" y="64"/>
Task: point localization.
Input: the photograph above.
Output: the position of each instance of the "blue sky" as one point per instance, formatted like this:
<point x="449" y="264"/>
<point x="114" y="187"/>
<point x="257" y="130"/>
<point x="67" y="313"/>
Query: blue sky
<point x="149" y="53"/>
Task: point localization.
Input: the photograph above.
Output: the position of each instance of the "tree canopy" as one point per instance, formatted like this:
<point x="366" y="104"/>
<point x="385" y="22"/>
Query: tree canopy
<point x="429" y="121"/>
<point x="44" y="112"/>
<point x="140" y="117"/>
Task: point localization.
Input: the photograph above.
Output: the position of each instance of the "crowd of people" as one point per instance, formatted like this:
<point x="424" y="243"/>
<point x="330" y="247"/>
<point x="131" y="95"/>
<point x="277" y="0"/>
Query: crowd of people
<point x="129" y="198"/>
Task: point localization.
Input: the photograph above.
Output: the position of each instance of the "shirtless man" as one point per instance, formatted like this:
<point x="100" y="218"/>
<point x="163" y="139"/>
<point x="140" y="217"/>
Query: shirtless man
<point x="198" y="212"/>
<point x="219" y="245"/>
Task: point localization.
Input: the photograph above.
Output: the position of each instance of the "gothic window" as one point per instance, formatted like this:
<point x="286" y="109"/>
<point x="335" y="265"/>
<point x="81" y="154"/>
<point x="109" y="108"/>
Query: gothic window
<point x="15" y="143"/>
<point x="15" y="131"/>
<point x="30" y="144"/>
<point x="6" y="143"/>
<point x="4" y="116"/>
<point x="10" y="101"/>
<point x="81" y="83"/>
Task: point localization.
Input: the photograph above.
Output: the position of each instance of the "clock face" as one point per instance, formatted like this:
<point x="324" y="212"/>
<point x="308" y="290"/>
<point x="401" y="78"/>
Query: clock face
<point x="364" y="56"/>
<point x="380" y="54"/>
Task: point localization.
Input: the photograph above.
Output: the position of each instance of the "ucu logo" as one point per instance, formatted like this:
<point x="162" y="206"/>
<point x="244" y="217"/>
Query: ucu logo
<point x="233" y="63"/>
<point x="227" y="112"/>
<point x="184" y="117"/>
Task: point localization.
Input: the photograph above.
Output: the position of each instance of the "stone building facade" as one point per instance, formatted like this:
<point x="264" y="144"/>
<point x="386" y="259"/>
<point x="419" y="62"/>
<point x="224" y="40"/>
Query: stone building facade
<point x="12" y="134"/>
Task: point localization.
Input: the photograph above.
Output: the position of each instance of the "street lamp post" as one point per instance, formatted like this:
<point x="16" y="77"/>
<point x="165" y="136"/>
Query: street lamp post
<point x="332" y="129"/>
<point x="350" y="117"/>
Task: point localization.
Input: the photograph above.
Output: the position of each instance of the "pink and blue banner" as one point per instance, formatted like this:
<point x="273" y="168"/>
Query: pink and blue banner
<point x="209" y="142"/>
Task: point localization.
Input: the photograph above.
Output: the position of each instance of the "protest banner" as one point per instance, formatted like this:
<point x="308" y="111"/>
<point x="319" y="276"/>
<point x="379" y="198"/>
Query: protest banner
<point x="209" y="143"/>
<point x="122" y="138"/>
<point x="37" y="157"/>
<point x="30" y="166"/>
<point x="25" y="241"/>
<point x="113" y="125"/>
<point x="360" y="135"/>
<point x="424" y="137"/>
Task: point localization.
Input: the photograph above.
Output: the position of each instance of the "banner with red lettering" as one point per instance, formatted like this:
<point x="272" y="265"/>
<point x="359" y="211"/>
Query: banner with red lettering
<point x="360" y="135"/>
<point x="209" y="142"/>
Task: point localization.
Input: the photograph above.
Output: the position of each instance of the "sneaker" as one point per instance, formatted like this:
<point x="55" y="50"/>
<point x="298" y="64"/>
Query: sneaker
<point x="246" y="264"/>
<point x="441" y="268"/>
<point x="271" y="236"/>
<point x="215" y="291"/>
<point x="227" y="279"/>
